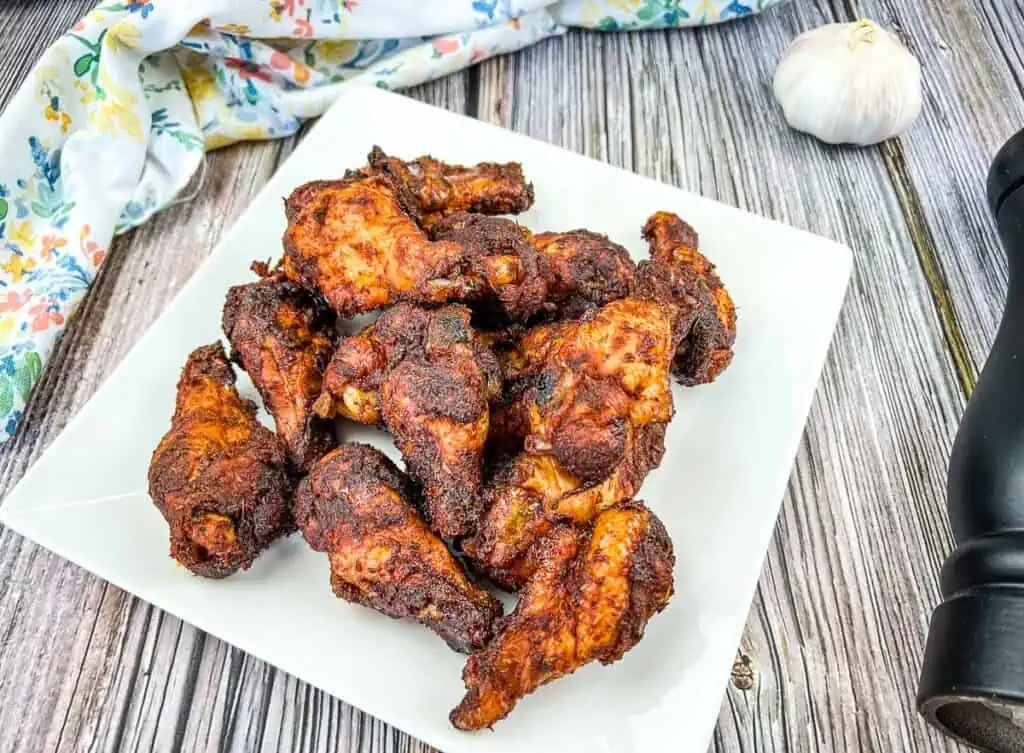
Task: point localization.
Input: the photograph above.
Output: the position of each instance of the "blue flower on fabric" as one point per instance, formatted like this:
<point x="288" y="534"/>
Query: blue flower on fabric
<point x="142" y="7"/>
<point x="7" y="365"/>
<point x="12" y="422"/>
<point x="735" y="9"/>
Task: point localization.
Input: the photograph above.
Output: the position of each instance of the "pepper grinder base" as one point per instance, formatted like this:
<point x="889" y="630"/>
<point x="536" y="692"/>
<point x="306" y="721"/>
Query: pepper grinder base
<point x="972" y="682"/>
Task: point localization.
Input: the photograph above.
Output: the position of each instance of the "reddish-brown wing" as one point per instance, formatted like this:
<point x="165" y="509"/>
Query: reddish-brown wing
<point x="218" y="477"/>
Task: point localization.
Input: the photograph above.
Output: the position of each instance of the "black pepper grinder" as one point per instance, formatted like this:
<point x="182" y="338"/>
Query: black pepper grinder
<point x="972" y="679"/>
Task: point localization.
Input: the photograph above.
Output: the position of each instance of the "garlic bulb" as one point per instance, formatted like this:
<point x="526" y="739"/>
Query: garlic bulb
<point x="849" y="84"/>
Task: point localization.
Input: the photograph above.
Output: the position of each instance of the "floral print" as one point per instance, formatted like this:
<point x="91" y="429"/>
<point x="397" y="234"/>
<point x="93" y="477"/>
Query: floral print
<point x="116" y="116"/>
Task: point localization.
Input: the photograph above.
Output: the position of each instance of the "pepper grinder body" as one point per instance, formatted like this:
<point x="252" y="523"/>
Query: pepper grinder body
<point x="972" y="677"/>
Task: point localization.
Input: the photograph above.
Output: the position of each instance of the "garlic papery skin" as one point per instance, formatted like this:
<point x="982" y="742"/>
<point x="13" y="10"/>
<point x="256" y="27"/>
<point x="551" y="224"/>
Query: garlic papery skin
<point x="849" y="84"/>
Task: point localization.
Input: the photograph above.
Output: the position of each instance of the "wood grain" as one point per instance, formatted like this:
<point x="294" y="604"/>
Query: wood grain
<point x="832" y="645"/>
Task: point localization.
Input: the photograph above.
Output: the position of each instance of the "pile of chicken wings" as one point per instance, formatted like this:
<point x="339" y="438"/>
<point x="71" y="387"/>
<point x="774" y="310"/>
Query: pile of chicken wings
<point x="525" y="379"/>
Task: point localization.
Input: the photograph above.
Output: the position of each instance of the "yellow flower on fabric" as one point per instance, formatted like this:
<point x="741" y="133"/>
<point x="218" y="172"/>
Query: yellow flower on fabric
<point x="117" y="113"/>
<point x="23" y="235"/>
<point x="332" y="52"/>
<point x="88" y="93"/>
<point x="7" y="322"/>
<point x="58" y="117"/>
<point x="708" y="8"/>
<point x="124" y="35"/>
<point x="200" y="82"/>
<point x="241" y="29"/>
<point x="17" y="267"/>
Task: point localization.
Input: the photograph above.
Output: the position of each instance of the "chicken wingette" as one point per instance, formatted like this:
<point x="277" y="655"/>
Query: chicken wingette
<point x="361" y="243"/>
<point x="283" y="336"/>
<point x="440" y="189"/>
<point x="592" y="594"/>
<point x="218" y="476"/>
<point x="356" y="506"/>
<point x="680" y="274"/>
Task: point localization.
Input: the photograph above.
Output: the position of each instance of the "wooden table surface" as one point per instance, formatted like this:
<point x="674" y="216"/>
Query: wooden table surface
<point x="832" y="648"/>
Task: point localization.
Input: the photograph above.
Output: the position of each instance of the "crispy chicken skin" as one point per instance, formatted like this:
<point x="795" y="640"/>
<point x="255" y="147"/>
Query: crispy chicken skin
<point x="587" y="401"/>
<point x="591" y="597"/>
<point x="440" y="189"/>
<point x="515" y="271"/>
<point x="679" y="273"/>
<point x="575" y="387"/>
<point x="357" y="243"/>
<point x="528" y="494"/>
<point x="585" y="270"/>
<point x="355" y="506"/>
<point x="428" y="380"/>
<point x="218" y="477"/>
<point x="283" y="336"/>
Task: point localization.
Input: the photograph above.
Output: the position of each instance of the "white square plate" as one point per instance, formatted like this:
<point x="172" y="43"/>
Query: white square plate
<point x="729" y="452"/>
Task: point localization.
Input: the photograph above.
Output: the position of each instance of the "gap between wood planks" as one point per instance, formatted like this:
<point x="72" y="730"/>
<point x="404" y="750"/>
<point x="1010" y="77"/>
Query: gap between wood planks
<point x="924" y="243"/>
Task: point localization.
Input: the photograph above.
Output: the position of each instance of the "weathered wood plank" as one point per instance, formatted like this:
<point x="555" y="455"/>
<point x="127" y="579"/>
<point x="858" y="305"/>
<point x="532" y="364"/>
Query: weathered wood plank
<point x="87" y="667"/>
<point x="972" y="104"/>
<point x="26" y="29"/>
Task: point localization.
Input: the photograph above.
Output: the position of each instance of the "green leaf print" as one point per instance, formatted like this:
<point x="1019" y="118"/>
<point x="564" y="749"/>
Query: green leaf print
<point x="27" y="374"/>
<point x="83" y="64"/>
<point x="3" y="209"/>
<point x="6" y="395"/>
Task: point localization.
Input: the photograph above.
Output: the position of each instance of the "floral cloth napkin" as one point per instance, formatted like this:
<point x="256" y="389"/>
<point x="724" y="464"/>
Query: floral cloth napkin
<point x="114" y="120"/>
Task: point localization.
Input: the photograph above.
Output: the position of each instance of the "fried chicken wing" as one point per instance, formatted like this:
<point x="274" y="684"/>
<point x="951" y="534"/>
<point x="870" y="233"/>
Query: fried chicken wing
<point x="585" y="270"/>
<point x="587" y="401"/>
<point x="355" y="506"/>
<point x="283" y="337"/>
<point x="356" y="242"/>
<point x="218" y="477"/>
<point x="591" y="597"/>
<point x="576" y="386"/>
<point x="515" y="271"/>
<point x="440" y="189"/>
<point x="680" y="274"/>
<point x="529" y="494"/>
<point x="424" y="376"/>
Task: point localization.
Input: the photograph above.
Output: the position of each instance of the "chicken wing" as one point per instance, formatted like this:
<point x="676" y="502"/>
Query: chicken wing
<point x="593" y="593"/>
<point x="528" y="494"/>
<point x="587" y="402"/>
<point x="585" y="270"/>
<point x="504" y="252"/>
<point x="283" y="337"/>
<point x="357" y="242"/>
<point x="440" y="189"/>
<point x="355" y="506"/>
<point x="423" y="375"/>
<point x="680" y="274"/>
<point x="218" y="477"/>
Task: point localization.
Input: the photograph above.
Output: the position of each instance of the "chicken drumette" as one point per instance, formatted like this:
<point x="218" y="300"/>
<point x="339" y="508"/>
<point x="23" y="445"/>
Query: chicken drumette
<point x="355" y="506"/>
<point x="218" y="477"/>
<point x="592" y="594"/>
<point x="283" y="336"/>
<point x="424" y="375"/>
